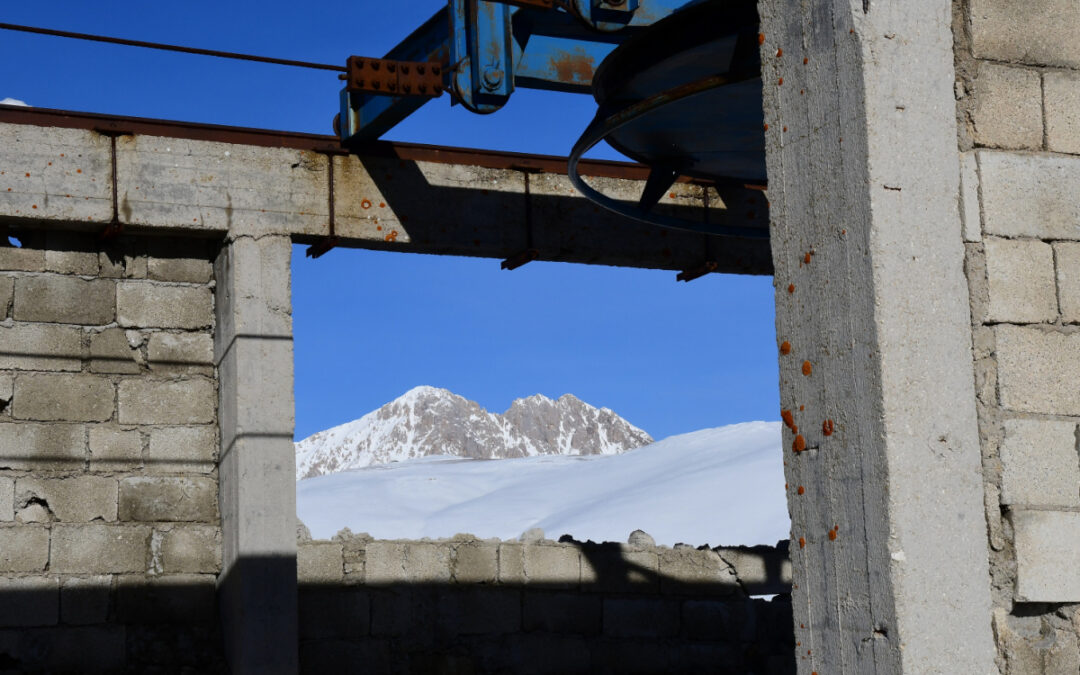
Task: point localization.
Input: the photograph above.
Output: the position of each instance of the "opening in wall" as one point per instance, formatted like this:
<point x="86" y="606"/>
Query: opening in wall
<point x="609" y="399"/>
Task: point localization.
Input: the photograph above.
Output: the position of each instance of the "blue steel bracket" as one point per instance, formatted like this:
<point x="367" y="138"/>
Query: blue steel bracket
<point x="486" y="49"/>
<point x="481" y="54"/>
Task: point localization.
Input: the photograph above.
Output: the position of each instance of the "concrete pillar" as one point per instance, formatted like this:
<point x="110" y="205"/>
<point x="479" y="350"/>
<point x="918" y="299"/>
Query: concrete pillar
<point x="253" y="352"/>
<point x="882" y="450"/>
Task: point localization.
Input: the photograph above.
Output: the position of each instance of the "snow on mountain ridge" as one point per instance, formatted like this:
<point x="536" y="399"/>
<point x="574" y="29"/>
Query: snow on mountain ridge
<point x="427" y="421"/>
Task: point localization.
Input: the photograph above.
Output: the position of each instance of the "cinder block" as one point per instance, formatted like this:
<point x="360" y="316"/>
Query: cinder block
<point x="145" y="401"/>
<point x="383" y="561"/>
<point x="30" y="346"/>
<point x="1039" y="464"/>
<point x="61" y="299"/>
<point x="23" y="548"/>
<point x="31" y="447"/>
<point x="193" y="269"/>
<point x="24" y="259"/>
<point x="71" y="253"/>
<point x="78" y="499"/>
<point x="476" y="563"/>
<point x="1067" y="256"/>
<point x="183" y="449"/>
<point x="85" y="600"/>
<point x="123" y="258"/>
<point x="145" y="304"/>
<point x="99" y="549"/>
<point x="698" y="572"/>
<point x="7" y="388"/>
<point x="480" y="610"/>
<point x="184" y="599"/>
<point x="7" y="295"/>
<point x="1047" y="548"/>
<point x="319" y="562"/>
<point x="63" y="397"/>
<point x="72" y="649"/>
<point x="761" y="570"/>
<point x="426" y="563"/>
<point x="191" y="549"/>
<point x="7" y="499"/>
<point x="619" y="568"/>
<point x="562" y="612"/>
<point x="1024" y="195"/>
<point x="334" y="612"/>
<point x="511" y="563"/>
<point x="1008" y="107"/>
<point x="1041" y="32"/>
<point x="713" y="620"/>
<point x="188" y="499"/>
<point x="1062" y="111"/>
<point x="113" y="449"/>
<point x="181" y="353"/>
<point x="72" y="262"/>
<point x="1038" y="370"/>
<point x="29" y="601"/>
<point x="554" y="565"/>
<point x="641" y="617"/>
<point x="1020" y="279"/>
<point x="111" y="352"/>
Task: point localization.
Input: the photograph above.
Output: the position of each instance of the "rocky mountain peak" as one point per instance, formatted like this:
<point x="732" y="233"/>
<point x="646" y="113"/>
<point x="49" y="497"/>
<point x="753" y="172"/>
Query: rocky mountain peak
<point x="432" y="421"/>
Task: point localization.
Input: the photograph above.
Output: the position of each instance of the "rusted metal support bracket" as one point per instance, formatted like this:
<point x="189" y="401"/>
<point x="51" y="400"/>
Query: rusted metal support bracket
<point x="324" y="245"/>
<point x="112" y="129"/>
<point x="697" y="272"/>
<point x="517" y="260"/>
<point x="538" y="4"/>
<point x="388" y="77"/>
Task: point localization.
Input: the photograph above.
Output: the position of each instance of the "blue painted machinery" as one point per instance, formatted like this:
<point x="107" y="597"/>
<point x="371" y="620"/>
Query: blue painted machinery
<point x="677" y="83"/>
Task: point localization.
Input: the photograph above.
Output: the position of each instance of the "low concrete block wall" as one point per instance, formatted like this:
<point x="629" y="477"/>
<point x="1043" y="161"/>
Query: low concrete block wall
<point x="109" y="531"/>
<point x="539" y="606"/>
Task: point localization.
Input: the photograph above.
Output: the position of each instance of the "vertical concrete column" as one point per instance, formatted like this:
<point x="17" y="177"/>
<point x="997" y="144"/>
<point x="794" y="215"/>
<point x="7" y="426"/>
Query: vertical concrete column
<point x="881" y="446"/>
<point x="253" y="351"/>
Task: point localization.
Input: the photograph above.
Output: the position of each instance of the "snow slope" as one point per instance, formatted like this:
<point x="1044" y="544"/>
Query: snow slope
<point x="718" y="486"/>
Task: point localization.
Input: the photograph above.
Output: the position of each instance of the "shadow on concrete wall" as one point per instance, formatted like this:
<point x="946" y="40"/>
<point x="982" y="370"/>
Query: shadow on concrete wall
<point x="622" y="621"/>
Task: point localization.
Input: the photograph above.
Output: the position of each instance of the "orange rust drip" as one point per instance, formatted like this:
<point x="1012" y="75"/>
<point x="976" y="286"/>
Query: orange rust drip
<point x="827" y="427"/>
<point x="785" y="347"/>
<point x="799" y="444"/>
<point x="789" y="419"/>
<point x="807" y="368"/>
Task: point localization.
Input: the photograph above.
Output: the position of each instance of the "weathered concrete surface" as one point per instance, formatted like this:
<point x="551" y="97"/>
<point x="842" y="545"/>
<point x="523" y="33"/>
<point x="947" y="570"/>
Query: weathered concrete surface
<point x="888" y="540"/>
<point x="210" y="188"/>
<point x="1047" y="547"/>
<point x="253" y="347"/>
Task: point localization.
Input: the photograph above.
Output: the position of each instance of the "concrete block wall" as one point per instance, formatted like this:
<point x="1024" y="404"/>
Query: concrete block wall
<point x="1018" y="94"/>
<point x="110" y="539"/>
<point x="539" y="606"/>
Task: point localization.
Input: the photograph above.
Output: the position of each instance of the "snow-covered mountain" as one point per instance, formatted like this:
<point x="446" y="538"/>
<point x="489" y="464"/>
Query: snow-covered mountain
<point x="431" y="421"/>
<point x="718" y="486"/>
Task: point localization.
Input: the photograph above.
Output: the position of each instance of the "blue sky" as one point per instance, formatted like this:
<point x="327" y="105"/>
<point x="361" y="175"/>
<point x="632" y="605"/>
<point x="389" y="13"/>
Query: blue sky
<point x="670" y="357"/>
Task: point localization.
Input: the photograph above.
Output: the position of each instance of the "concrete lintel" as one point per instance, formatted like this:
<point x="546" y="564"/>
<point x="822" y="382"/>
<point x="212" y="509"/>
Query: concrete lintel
<point x="888" y="530"/>
<point x="215" y="189"/>
<point x="253" y="344"/>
